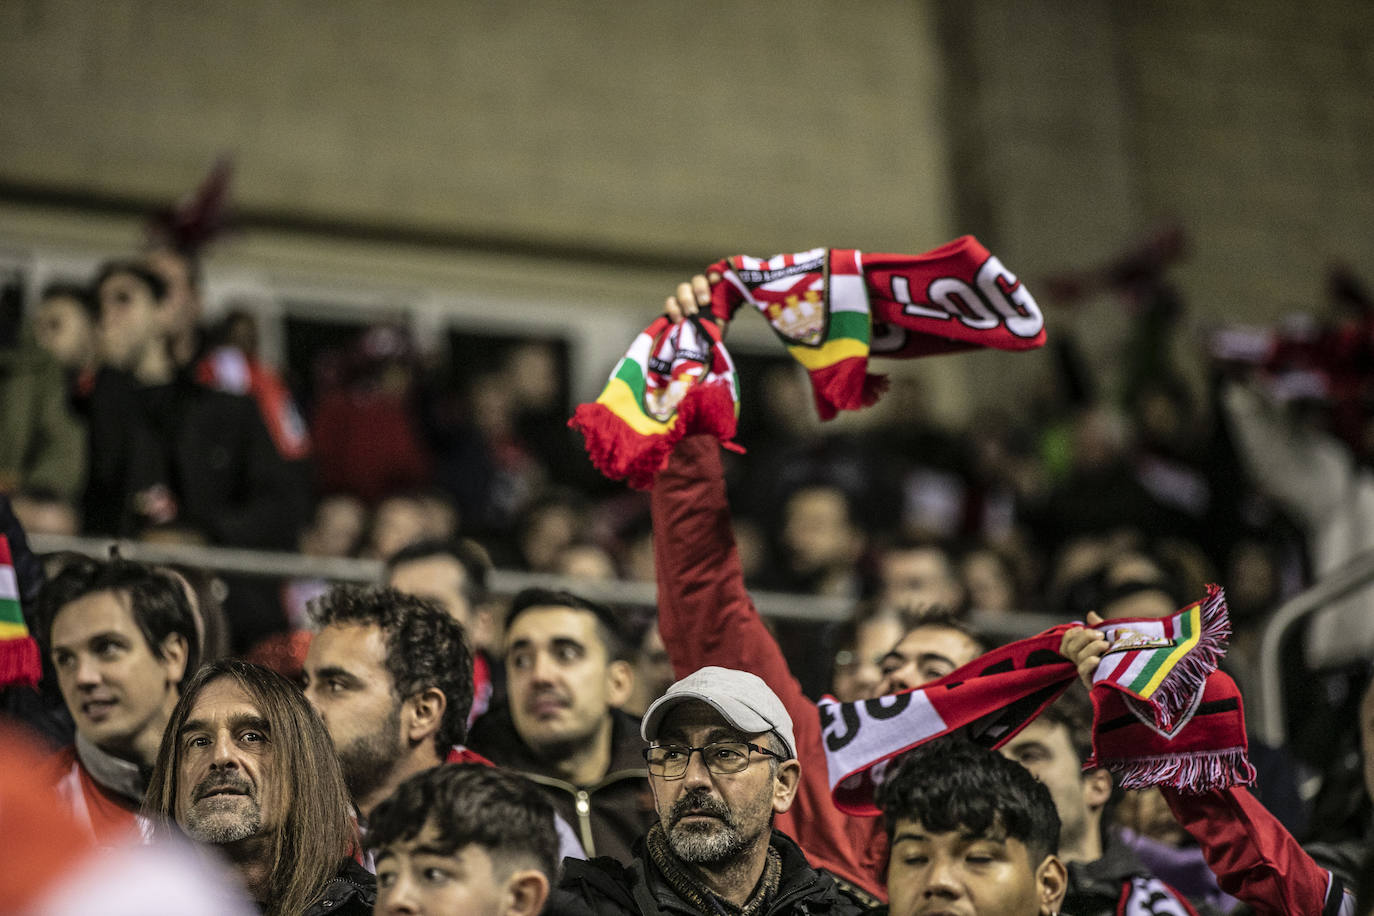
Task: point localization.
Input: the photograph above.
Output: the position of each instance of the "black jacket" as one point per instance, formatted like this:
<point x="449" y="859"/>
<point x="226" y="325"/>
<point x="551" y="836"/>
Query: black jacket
<point x="352" y="892"/>
<point x="609" y="814"/>
<point x="209" y="449"/>
<point x="1095" y="888"/>
<point x="605" y="887"/>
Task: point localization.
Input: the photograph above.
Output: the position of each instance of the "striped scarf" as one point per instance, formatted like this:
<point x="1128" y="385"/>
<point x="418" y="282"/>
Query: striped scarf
<point x="675" y="381"/>
<point x="835" y="307"/>
<point x="1163" y="714"/>
<point x="19" y="662"/>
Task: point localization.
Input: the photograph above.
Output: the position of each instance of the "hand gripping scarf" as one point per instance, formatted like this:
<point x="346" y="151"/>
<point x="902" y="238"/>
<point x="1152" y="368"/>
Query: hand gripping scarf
<point x="19" y="662"/>
<point x="676" y="380"/>
<point x="835" y="307"/>
<point x="1163" y="714"/>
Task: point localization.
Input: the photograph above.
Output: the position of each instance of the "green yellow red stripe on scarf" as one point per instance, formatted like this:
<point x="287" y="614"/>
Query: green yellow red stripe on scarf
<point x="19" y="662"/>
<point x="675" y="380"/>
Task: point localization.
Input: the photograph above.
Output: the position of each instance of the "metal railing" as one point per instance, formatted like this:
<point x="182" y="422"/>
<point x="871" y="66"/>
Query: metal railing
<point x="1354" y="574"/>
<point x="1267" y="701"/>
<point x="502" y="583"/>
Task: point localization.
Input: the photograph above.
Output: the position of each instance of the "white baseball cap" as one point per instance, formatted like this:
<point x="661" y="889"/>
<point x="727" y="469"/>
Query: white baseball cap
<point x="743" y="699"/>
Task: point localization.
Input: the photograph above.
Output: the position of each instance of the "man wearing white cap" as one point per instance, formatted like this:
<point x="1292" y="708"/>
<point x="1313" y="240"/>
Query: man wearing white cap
<point x="722" y="763"/>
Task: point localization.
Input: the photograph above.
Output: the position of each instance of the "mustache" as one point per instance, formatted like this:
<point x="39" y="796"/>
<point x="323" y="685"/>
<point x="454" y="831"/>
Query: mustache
<point x="221" y="783"/>
<point x="548" y="693"/>
<point x="699" y="801"/>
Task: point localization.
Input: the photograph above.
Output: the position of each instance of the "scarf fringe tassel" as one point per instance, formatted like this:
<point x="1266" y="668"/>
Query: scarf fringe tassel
<point x="847" y="385"/>
<point x="619" y="452"/>
<point x="19" y="662"/>
<point x="1176" y="692"/>
<point x="1193" y="772"/>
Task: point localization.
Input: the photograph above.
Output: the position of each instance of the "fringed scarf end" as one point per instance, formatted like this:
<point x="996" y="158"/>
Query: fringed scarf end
<point x="1192" y="773"/>
<point x="1176" y="693"/>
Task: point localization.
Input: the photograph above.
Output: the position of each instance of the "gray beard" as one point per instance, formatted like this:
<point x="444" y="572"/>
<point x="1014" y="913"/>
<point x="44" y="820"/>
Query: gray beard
<point x="711" y="843"/>
<point x="220" y="827"/>
<point x="718" y="843"/>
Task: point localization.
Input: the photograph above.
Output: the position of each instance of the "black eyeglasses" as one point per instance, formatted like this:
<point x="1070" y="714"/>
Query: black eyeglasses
<point x="669" y="761"/>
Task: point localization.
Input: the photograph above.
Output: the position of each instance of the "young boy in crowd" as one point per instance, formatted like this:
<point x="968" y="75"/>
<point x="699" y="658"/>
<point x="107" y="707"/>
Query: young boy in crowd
<point x="970" y="832"/>
<point x="464" y="838"/>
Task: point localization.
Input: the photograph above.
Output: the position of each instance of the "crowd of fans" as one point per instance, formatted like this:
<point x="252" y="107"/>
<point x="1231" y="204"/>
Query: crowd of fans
<point x="458" y="746"/>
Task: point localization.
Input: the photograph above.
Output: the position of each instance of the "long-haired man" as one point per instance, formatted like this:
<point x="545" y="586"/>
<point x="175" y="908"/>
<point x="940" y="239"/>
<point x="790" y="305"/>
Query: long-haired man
<point x="247" y="767"/>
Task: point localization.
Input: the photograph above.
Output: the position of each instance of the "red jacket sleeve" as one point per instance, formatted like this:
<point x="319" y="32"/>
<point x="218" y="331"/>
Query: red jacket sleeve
<point x="1254" y="858"/>
<point x="706" y="617"/>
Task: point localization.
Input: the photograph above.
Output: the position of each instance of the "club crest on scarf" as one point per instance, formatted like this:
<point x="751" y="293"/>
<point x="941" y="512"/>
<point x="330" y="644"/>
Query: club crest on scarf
<point x="674" y="381"/>
<point x="790" y="291"/>
<point x="677" y="364"/>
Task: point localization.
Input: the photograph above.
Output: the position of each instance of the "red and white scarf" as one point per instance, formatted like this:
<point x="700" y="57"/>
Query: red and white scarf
<point x="676" y="380"/>
<point x="1158" y="677"/>
<point x="836" y="307"/>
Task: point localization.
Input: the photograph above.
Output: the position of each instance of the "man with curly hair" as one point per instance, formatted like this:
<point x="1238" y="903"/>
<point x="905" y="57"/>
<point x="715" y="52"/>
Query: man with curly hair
<point x="391" y="676"/>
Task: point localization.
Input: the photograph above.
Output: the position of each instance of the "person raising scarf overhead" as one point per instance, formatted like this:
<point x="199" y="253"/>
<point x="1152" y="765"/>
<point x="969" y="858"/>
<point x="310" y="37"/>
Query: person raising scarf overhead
<point x="832" y="308"/>
<point x="707" y="618"/>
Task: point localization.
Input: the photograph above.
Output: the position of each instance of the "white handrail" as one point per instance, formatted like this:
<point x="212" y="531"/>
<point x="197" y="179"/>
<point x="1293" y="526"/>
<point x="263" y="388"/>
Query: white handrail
<point x="504" y="582"/>
<point x="1354" y="574"/>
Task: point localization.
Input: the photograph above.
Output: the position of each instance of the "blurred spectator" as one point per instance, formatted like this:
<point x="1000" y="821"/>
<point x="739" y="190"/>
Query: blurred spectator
<point x="935" y="644"/>
<point x="282" y="652"/>
<point x="398" y="521"/>
<point x="43" y="512"/>
<point x="1102" y="866"/>
<point x="991" y="580"/>
<point x="454" y="574"/>
<point x="819" y="544"/>
<point x="860" y="644"/>
<point x="637" y="551"/>
<point x="64" y="325"/>
<point x="481" y="458"/>
<point x="180" y="272"/>
<point x="1343" y="817"/>
<point x="550" y="525"/>
<point x="918" y="573"/>
<point x="167" y="453"/>
<point x="584" y="559"/>
<point x="653" y="670"/>
<point x="335" y="531"/>
<point x="533" y="375"/>
<point x="1135" y="585"/>
<point x="1166" y="463"/>
<point x="441" y="516"/>
<point x="1286" y="448"/>
<point x="206" y="594"/>
<point x="231" y="364"/>
<point x="42" y="441"/>
<point x="1100" y="492"/>
<point x="366" y="430"/>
